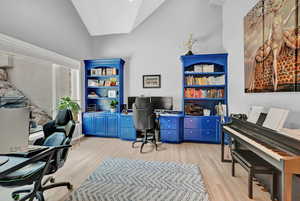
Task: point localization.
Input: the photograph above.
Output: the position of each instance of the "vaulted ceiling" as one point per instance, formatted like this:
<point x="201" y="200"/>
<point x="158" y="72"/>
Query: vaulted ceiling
<point x="104" y="17"/>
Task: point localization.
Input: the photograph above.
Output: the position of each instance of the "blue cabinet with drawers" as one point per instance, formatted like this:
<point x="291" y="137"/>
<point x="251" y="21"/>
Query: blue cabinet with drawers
<point x="202" y="129"/>
<point x="171" y="128"/>
<point x="100" y="124"/>
<point x="127" y="130"/>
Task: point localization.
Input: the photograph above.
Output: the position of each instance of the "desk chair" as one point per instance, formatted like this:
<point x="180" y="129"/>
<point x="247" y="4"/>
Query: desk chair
<point x="26" y="171"/>
<point x="143" y="118"/>
<point x="56" y="139"/>
<point x="60" y="124"/>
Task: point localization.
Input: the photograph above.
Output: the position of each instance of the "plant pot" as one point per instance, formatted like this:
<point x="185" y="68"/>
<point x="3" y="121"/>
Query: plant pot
<point x="112" y="110"/>
<point x="75" y="116"/>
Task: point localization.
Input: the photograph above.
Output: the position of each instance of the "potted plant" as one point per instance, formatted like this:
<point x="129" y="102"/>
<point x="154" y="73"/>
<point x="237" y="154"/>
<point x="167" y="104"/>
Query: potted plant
<point x="113" y="105"/>
<point x="67" y="103"/>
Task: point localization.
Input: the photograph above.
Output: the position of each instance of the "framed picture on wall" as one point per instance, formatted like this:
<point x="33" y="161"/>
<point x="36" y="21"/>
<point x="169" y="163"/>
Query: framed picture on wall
<point x="151" y="81"/>
<point x="271" y="55"/>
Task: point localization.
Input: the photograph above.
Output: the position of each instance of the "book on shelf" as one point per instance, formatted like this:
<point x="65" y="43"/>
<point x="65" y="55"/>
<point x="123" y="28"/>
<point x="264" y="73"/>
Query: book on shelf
<point x="96" y="72"/>
<point x="204" y="68"/>
<point x="108" y="71"/>
<point x="103" y="73"/>
<point x="101" y="83"/>
<point x="91" y="108"/>
<point x="93" y="95"/>
<point x="206" y="80"/>
<point x="107" y="83"/>
<point x="92" y="83"/>
<point x="203" y="93"/>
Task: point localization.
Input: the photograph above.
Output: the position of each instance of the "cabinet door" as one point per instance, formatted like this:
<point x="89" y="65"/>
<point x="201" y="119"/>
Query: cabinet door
<point x="209" y="123"/>
<point x="209" y="136"/>
<point x="169" y="123"/>
<point x="169" y="136"/>
<point x="126" y="121"/>
<point x="100" y="125"/>
<point x="88" y="124"/>
<point x="112" y="126"/>
<point x="192" y="135"/>
<point x="128" y="134"/>
<point x="192" y="122"/>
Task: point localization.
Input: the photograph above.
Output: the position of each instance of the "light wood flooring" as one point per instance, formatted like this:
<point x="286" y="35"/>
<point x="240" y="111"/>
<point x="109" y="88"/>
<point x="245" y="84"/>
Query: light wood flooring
<point x="86" y="156"/>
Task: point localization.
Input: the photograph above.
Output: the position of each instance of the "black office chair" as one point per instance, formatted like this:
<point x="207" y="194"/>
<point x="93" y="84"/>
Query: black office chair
<point x="60" y="124"/>
<point x="144" y="122"/>
<point x="63" y="137"/>
<point x="29" y="171"/>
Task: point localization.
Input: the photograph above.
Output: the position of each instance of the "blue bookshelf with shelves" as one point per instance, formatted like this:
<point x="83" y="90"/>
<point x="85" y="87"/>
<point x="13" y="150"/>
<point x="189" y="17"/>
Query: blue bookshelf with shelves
<point x="103" y="84"/>
<point x="103" y="77"/>
<point x="204" y="87"/>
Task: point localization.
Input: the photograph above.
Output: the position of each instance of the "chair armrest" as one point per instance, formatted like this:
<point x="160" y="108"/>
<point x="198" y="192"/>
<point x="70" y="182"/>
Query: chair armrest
<point x="47" y="154"/>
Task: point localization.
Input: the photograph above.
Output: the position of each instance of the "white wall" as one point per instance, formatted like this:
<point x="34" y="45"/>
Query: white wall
<point x="156" y="45"/>
<point x="50" y="24"/>
<point x="233" y="14"/>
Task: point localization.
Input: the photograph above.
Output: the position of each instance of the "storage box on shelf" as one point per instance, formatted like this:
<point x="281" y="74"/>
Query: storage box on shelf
<point x="103" y="84"/>
<point x="204" y="87"/>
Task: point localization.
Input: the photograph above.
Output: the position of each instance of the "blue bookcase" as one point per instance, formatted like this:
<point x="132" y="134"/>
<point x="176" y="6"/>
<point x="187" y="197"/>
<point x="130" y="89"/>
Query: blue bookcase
<point x="103" y="84"/>
<point x="204" y="86"/>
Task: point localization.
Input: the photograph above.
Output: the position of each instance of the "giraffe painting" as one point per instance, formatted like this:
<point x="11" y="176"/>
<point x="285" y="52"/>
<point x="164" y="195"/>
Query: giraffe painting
<point x="272" y="42"/>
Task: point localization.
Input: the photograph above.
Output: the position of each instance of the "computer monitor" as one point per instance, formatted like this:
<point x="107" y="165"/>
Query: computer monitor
<point x="162" y="103"/>
<point x="14" y="133"/>
<point x="158" y="102"/>
<point x="131" y="100"/>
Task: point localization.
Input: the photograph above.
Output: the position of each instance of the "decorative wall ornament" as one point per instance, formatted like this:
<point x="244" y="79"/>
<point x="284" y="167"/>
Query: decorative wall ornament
<point x="188" y="45"/>
<point x="272" y="42"/>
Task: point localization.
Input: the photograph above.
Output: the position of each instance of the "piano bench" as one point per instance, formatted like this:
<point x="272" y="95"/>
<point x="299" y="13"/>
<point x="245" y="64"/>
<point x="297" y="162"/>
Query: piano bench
<point x="254" y="165"/>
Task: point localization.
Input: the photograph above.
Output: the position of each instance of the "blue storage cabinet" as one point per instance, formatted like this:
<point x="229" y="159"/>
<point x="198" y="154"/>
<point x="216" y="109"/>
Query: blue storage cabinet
<point x="206" y="94"/>
<point x="171" y="128"/>
<point x="126" y="125"/>
<point x="88" y="125"/>
<point x="202" y="129"/>
<point x="97" y="95"/>
<point x="98" y="120"/>
<point x="100" y="124"/>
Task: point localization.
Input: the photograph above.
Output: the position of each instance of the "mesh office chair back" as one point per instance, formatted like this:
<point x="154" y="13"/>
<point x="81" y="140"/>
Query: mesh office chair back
<point x="143" y="118"/>
<point x="143" y="114"/>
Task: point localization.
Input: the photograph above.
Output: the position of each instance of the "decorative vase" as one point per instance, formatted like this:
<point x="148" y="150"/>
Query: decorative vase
<point x="112" y="110"/>
<point x="75" y="116"/>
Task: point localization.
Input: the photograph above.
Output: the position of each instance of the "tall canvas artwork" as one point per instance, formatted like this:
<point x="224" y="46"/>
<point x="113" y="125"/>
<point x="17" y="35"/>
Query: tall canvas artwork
<point x="272" y="45"/>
